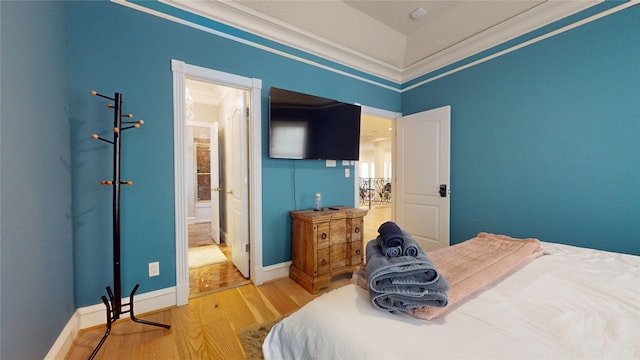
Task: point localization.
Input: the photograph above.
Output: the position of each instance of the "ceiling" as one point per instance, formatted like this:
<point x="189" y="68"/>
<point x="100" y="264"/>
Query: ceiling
<point x="380" y="37"/>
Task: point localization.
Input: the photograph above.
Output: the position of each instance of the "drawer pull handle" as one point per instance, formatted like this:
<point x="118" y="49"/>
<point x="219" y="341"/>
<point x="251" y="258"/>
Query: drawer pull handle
<point x="323" y="262"/>
<point x="324" y="236"/>
<point x="358" y="252"/>
<point x="356" y="230"/>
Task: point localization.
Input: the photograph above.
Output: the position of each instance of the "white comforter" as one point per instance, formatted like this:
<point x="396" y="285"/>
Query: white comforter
<point x="571" y="303"/>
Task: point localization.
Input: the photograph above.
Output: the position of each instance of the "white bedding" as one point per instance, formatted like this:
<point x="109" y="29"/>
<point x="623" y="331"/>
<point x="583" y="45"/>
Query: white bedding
<point x="571" y="303"/>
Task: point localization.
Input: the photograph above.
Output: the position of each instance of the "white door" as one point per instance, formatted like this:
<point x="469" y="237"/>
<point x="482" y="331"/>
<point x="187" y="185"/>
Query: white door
<point x="421" y="203"/>
<point x="215" y="183"/>
<point x="237" y="191"/>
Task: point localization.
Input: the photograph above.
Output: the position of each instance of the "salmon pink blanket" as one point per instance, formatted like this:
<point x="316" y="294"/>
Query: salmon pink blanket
<point x="472" y="266"/>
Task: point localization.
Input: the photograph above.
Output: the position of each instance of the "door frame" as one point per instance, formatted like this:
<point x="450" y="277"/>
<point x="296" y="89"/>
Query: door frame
<point x="181" y="70"/>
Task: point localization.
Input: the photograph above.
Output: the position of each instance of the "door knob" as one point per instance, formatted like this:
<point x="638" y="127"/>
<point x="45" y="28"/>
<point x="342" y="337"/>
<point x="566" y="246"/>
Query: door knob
<point x="443" y="190"/>
<point x="217" y="189"/>
<point x="230" y="192"/>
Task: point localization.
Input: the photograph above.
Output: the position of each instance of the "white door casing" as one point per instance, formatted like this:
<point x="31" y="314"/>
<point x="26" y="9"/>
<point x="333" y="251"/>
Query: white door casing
<point x="422" y="165"/>
<point x="180" y="71"/>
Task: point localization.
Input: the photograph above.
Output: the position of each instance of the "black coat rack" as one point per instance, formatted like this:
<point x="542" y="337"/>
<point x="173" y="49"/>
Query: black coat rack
<point x="114" y="304"/>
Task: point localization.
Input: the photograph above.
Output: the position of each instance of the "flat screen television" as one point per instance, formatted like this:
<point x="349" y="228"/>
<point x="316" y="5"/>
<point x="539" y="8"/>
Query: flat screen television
<point x="304" y="126"/>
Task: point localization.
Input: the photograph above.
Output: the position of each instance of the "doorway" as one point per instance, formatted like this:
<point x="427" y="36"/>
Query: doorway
<point x="238" y="196"/>
<point x="375" y="169"/>
<point x="211" y="116"/>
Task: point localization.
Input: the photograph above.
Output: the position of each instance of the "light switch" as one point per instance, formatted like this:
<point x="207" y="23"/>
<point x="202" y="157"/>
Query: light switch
<point x="154" y="268"/>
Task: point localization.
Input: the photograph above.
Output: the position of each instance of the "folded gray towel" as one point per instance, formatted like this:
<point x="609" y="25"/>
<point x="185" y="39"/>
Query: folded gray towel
<point x="390" y="251"/>
<point x="403" y="283"/>
<point x="390" y="234"/>
<point x="409" y="246"/>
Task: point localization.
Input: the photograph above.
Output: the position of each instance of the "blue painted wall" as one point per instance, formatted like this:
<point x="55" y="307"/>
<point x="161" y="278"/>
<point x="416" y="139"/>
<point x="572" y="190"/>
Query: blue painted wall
<point x="36" y="259"/>
<point x="114" y="48"/>
<point x="545" y="143"/>
<point x="546" y="139"/>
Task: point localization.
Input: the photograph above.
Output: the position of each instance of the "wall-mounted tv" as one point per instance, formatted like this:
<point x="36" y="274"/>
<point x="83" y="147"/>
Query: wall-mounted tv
<point x="304" y="126"/>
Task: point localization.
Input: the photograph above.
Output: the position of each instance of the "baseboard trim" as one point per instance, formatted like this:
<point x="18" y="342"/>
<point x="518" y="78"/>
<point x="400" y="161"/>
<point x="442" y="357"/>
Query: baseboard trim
<point x="154" y="300"/>
<point x="65" y="340"/>
<point x="94" y="315"/>
<point x="273" y="272"/>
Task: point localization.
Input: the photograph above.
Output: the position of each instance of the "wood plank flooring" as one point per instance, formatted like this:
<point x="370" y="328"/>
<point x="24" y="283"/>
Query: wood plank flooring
<point x="207" y="327"/>
<point x="375" y="217"/>
<point x="210" y="278"/>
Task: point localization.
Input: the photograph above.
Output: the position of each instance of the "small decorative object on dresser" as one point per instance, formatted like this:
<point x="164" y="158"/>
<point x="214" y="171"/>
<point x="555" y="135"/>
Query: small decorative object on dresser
<point x="325" y="244"/>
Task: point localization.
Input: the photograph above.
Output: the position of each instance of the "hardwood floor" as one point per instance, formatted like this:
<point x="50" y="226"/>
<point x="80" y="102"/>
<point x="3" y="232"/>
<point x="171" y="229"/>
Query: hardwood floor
<point x="207" y="327"/>
<point x="375" y="217"/>
<point x="216" y="277"/>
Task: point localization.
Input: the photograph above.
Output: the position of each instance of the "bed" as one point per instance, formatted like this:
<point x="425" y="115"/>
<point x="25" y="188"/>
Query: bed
<point x="569" y="303"/>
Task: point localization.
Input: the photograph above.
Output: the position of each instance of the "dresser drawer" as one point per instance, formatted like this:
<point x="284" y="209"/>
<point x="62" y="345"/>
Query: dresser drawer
<point x="322" y="232"/>
<point x="356" y="230"/>
<point x="355" y="254"/>
<point x="323" y="264"/>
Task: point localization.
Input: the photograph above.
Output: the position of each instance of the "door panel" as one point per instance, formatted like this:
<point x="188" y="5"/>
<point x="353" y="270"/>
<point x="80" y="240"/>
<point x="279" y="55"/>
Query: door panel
<point x="422" y="147"/>
<point x="215" y="184"/>
<point x="238" y="190"/>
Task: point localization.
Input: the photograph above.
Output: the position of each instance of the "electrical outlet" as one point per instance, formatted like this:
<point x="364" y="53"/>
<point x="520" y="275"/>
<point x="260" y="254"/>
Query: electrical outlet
<point x="154" y="268"/>
<point x="347" y="173"/>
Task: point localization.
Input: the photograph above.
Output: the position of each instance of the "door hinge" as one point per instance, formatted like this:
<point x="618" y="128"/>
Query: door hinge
<point x="246" y="248"/>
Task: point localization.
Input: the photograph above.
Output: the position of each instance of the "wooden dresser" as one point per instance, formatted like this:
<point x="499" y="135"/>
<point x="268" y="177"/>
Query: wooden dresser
<point x="325" y="244"/>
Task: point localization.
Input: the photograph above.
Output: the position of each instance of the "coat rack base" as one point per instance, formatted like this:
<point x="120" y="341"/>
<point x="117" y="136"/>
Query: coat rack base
<point x="113" y="313"/>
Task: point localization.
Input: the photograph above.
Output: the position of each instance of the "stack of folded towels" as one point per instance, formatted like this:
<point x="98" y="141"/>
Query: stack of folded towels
<point x="400" y="276"/>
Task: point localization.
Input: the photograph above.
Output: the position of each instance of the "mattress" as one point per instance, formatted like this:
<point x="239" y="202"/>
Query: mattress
<point x="571" y="303"/>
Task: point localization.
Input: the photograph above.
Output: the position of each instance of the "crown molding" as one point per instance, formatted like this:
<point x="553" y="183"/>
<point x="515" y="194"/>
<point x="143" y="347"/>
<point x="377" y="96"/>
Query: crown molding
<point x="246" y="19"/>
<point x="532" y="19"/>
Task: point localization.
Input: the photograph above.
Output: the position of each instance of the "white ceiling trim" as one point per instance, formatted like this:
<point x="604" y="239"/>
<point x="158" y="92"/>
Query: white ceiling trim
<point x="247" y="19"/>
<point x="175" y="19"/>
<point x="541" y="15"/>
<point x="529" y="42"/>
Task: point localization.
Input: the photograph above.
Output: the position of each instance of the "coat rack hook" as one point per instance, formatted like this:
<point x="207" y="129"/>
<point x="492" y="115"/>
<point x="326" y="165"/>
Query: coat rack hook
<point x="95" y="93"/>
<point x="96" y="137"/>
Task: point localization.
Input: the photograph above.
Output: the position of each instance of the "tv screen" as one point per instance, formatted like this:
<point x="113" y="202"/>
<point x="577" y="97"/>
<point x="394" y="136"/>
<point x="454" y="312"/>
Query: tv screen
<point x="303" y="126"/>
